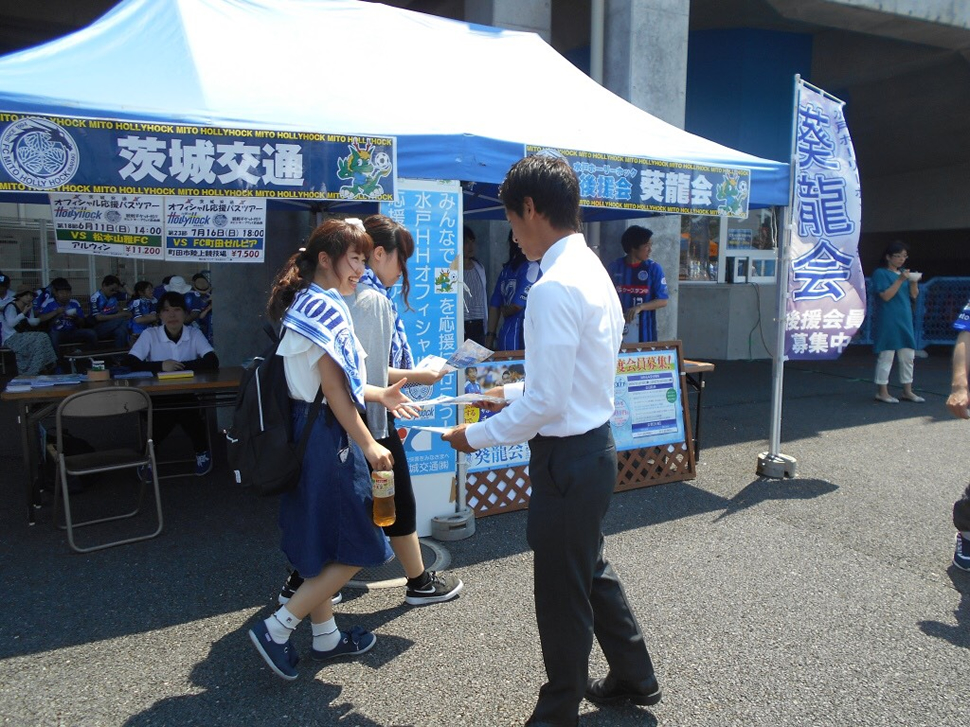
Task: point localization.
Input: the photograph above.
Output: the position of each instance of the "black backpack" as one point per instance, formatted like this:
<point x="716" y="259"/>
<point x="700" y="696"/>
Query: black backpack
<point x="259" y="444"/>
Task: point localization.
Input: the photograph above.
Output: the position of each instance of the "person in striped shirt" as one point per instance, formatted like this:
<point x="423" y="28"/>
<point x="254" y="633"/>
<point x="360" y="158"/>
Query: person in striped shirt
<point x="641" y="285"/>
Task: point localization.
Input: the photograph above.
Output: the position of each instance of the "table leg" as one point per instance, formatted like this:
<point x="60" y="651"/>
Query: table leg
<point x="23" y="416"/>
<point x="697" y="417"/>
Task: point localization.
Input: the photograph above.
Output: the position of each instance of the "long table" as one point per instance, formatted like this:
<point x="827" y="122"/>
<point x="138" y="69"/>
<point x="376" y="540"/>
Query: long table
<point x="212" y="388"/>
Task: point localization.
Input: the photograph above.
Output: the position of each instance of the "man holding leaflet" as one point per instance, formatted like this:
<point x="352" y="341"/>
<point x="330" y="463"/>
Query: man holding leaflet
<point x="573" y="330"/>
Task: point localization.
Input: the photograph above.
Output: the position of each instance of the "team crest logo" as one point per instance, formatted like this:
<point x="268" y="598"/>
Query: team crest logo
<point x="221" y="220"/>
<point x="642" y="275"/>
<point x="38" y="153"/>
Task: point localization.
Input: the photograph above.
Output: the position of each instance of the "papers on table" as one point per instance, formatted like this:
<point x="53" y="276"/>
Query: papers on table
<point x="26" y="383"/>
<point x="135" y="375"/>
<point x="180" y="374"/>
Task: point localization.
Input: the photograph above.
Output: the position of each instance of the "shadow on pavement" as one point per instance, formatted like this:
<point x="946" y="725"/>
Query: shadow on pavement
<point x="764" y="489"/>
<point x="958" y="635"/>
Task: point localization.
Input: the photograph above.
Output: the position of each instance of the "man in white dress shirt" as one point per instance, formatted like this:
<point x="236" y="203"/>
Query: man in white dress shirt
<point x="573" y="331"/>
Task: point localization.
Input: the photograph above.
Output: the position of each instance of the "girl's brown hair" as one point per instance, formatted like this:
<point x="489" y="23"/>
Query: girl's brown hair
<point x="392" y="236"/>
<point x="334" y="237"/>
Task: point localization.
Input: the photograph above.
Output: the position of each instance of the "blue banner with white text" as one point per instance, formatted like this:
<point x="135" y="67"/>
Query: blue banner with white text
<point x="40" y="153"/>
<point x="653" y="185"/>
<point x="432" y="213"/>
<point x="827" y="289"/>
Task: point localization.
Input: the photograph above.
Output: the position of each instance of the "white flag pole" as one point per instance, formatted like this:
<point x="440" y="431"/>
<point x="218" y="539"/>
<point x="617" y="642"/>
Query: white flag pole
<point x="773" y="463"/>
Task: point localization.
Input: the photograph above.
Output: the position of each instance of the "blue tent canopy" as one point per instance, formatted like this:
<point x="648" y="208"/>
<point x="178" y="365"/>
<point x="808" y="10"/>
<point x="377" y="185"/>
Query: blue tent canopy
<point x="462" y="100"/>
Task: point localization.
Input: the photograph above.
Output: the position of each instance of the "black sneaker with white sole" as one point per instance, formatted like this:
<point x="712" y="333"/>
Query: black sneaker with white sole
<point x="294" y="581"/>
<point x="438" y="587"/>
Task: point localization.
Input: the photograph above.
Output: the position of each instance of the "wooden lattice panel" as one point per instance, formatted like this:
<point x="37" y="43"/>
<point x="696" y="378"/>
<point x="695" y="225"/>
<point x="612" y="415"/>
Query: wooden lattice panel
<point x="495" y="491"/>
<point x="506" y="490"/>
<point x="654" y="466"/>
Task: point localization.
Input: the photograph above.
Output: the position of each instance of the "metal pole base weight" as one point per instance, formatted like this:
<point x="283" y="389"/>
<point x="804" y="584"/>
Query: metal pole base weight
<point x="776" y="466"/>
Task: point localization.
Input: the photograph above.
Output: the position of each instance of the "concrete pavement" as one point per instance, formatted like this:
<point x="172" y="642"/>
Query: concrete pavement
<point x="824" y="600"/>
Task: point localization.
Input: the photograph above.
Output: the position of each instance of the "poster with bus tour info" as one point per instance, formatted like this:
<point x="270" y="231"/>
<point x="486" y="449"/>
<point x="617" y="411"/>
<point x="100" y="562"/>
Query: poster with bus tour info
<point x="215" y="229"/>
<point x="648" y="408"/>
<point x="116" y="225"/>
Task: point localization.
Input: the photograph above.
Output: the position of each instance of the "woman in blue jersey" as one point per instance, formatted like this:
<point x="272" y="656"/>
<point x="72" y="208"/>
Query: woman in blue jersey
<point x="508" y="300"/>
<point x="327" y="530"/>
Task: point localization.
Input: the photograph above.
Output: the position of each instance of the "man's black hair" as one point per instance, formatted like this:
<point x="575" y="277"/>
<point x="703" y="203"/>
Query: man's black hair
<point x="552" y="185"/>
<point x="634" y="237"/>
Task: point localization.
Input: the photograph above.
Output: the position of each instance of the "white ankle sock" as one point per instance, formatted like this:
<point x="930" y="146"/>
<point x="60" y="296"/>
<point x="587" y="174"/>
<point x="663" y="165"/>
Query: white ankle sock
<point x="325" y="635"/>
<point x="281" y="624"/>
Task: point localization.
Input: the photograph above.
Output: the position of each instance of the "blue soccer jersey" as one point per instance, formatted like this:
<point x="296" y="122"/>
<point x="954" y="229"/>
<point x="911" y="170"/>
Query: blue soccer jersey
<point x="140" y="307"/>
<point x="103" y="305"/>
<point x="512" y="288"/>
<point x="196" y="301"/>
<point x="962" y="323"/>
<point x="636" y="284"/>
<point x="66" y="321"/>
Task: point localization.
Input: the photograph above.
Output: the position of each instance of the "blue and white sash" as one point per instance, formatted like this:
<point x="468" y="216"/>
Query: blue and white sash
<point x="401" y="356"/>
<point x="322" y="316"/>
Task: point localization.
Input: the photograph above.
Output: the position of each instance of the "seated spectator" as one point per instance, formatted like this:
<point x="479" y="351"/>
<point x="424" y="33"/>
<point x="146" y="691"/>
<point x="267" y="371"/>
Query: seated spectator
<point x="173" y="346"/>
<point x="177" y="284"/>
<point x="160" y="289"/>
<point x="142" y="308"/>
<point x="5" y="295"/>
<point x="32" y="348"/>
<point x="199" y="302"/>
<point x="64" y="316"/>
<point x="110" y="318"/>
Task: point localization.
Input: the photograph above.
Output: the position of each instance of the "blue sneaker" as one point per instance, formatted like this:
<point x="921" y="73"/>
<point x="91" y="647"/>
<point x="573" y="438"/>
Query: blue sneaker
<point x="353" y="642"/>
<point x="281" y="658"/>
<point x="961" y="554"/>
<point x="144" y="472"/>
<point x="203" y="463"/>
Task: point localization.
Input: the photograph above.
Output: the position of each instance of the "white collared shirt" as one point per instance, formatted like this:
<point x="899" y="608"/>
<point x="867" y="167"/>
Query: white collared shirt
<point x="155" y="345"/>
<point x="573" y="332"/>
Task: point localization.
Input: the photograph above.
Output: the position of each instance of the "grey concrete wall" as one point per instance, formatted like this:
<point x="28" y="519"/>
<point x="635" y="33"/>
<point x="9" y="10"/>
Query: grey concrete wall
<point x="534" y="16"/>
<point x="240" y="292"/>
<point x="645" y="62"/>
<point x="727" y="322"/>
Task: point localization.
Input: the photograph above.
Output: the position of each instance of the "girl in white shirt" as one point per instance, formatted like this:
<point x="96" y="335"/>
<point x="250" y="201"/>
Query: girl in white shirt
<point x="327" y="530"/>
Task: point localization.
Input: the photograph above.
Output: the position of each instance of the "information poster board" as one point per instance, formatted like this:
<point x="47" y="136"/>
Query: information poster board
<point x="649" y="407"/>
<point x="479" y="378"/>
<point x="648" y="400"/>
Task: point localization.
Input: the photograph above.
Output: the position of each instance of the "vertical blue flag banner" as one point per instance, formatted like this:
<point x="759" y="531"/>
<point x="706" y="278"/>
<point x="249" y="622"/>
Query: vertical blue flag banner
<point x="432" y="213"/>
<point x="653" y="185"/>
<point x="827" y="290"/>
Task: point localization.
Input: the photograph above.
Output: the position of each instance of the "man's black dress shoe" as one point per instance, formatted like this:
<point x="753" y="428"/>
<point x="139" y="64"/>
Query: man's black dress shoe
<point x="610" y="691"/>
